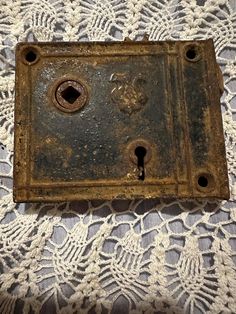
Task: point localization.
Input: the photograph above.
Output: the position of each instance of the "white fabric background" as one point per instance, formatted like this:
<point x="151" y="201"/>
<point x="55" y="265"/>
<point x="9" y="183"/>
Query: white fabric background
<point x="151" y="256"/>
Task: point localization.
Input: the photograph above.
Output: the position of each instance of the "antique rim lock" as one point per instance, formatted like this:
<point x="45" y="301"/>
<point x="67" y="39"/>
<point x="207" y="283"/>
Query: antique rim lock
<point x="118" y="120"/>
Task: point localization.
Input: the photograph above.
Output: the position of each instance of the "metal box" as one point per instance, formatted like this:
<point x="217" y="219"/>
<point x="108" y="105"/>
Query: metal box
<point x="118" y="120"/>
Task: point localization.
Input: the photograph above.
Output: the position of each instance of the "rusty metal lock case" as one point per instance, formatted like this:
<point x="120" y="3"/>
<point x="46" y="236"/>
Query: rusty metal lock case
<point x="118" y="120"/>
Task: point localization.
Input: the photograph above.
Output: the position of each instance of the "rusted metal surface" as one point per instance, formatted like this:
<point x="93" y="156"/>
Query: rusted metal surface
<point x="118" y="120"/>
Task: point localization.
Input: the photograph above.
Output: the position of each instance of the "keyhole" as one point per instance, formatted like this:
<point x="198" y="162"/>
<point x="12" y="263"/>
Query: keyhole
<point x="141" y="152"/>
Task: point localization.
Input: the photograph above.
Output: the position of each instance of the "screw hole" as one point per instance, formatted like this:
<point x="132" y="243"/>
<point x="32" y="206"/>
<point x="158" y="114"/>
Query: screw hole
<point x="191" y="53"/>
<point x="140" y="152"/>
<point x="203" y="181"/>
<point x="70" y="94"/>
<point x="30" y="56"/>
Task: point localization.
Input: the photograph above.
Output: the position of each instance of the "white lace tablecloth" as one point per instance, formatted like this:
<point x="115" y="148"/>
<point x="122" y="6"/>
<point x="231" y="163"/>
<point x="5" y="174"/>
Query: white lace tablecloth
<point x="149" y="256"/>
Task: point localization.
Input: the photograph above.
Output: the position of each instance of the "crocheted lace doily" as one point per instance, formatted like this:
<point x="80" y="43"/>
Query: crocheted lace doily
<point x="120" y="256"/>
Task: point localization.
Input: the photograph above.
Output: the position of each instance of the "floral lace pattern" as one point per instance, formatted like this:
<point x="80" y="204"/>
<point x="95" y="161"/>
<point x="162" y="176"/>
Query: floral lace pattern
<point x="152" y="256"/>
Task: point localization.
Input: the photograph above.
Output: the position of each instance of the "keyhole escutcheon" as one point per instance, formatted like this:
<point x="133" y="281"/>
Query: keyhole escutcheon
<point x="139" y="152"/>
